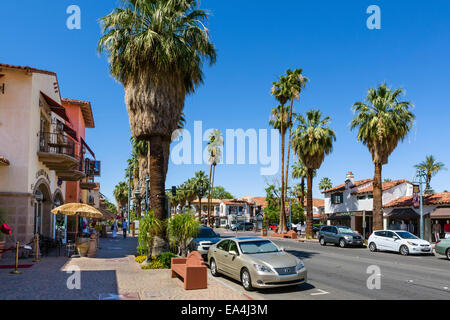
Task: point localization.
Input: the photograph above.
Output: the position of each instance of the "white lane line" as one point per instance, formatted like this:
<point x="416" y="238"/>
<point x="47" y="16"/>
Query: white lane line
<point x="322" y="292"/>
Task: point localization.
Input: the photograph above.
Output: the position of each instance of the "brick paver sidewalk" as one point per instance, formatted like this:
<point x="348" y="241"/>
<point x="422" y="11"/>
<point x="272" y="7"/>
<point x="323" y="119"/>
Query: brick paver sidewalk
<point x="113" y="274"/>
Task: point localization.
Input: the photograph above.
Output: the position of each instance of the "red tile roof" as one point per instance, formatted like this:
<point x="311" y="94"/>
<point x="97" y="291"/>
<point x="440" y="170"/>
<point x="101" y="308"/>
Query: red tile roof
<point x="26" y="68"/>
<point x="318" y="203"/>
<point x="341" y="187"/>
<point x="433" y="199"/>
<point x="386" y="186"/>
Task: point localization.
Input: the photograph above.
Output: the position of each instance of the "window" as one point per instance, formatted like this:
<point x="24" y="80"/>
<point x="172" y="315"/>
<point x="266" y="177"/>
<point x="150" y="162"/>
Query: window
<point x="370" y="196"/>
<point x="361" y="197"/>
<point x="337" y="198"/>
<point x="260" y="246"/>
<point x="233" y="247"/>
<point x="380" y="233"/>
<point x="389" y="234"/>
<point x="223" y="245"/>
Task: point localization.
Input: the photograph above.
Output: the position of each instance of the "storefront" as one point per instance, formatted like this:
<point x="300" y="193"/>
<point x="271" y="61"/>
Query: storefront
<point x="440" y="223"/>
<point x="405" y="219"/>
<point x="360" y="221"/>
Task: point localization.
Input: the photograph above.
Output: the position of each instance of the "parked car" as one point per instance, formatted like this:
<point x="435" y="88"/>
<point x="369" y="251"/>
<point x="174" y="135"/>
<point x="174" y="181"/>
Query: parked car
<point x="398" y="241"/>
<point x="443" y="247"/>
<point x="273" y="226"/>
<point x="205" y="238"/>
<point x="244" y="226"/>
<point x="339" y="235"/>
<point x="256" y="262"/>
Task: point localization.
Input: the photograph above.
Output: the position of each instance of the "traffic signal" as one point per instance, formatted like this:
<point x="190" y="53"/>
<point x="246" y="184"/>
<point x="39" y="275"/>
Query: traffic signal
<point x="174" y="191"/>
<point x="201" y="190"/>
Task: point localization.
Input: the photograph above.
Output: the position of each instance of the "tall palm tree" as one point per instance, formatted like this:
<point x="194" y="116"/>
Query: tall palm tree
<point x="280" y="121"/>
<point x="382" y="123"/>
<point x="121" y="194"/>
<point x="431" y="167"/>
<point x="156" y="49"/>
<point x="325" y="184"/>
<point x="215" y="156"/>
<point x="311" y="141"/>
<point x="299" y="171"/>
<point x="200" y="184"/>
<point x="296" y="82"/>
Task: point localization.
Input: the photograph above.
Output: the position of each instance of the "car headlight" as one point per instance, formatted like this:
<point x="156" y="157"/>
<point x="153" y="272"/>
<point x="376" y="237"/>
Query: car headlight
<point x="262" y="268"/>
<point x="300" y="266"/>
<point x="412" y="243"/>
<point x="347" y="237"/>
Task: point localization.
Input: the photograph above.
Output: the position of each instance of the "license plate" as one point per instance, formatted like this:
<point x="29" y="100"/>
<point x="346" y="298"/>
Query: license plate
<point x="426" y="250"/>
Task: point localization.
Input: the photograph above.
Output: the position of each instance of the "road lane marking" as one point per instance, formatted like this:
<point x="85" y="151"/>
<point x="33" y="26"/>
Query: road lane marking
<point x="322" y="292"/>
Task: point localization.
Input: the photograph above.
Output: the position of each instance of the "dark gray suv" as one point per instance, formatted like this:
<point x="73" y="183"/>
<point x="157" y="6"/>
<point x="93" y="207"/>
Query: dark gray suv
<point x="339" y="235"/>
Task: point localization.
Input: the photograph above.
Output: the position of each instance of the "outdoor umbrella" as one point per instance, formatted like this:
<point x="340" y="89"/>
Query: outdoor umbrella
<point x="78" y="209"/>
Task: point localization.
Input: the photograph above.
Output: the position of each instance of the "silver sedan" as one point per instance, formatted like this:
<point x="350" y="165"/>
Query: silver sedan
<point x="256" y="262"/>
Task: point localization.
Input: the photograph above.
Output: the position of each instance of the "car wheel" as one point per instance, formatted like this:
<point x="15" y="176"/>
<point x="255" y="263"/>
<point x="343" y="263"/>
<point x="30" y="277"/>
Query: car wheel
<point x="342" y="243"/>
<point x="373" y="247"/>
<point x="213" y="267"/>
<point x="246" y="280"/>
<point x="448" y="254"/>
<point x="404" y="250"/>
<point x="322" y="242"/>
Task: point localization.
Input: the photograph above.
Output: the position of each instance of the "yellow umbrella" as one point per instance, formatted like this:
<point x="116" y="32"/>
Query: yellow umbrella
<point x="78" y="209"/>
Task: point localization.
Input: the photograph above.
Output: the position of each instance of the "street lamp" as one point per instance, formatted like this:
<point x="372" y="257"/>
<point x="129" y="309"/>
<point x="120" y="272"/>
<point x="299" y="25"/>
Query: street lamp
<point x="420" y="178"/>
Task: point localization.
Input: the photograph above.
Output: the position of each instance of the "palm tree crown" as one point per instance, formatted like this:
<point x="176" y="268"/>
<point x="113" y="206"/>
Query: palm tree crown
<point x="431" y="167"/>
<point x="383" y="122"/>
<point x="325" y="184"/>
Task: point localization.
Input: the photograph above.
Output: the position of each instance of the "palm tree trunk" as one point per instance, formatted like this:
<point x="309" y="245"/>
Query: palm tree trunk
<point x="157" y="191"/>
<point x="212" y="188"/>
<point x="200" y="208"/>
<point x="309" y="213"/>
<point x="283" y="227"/>
<point x="303" y="192"/>
<point x="209" y="195"/>
<point x="377" y="198"/>
<point x="289" y="147"/>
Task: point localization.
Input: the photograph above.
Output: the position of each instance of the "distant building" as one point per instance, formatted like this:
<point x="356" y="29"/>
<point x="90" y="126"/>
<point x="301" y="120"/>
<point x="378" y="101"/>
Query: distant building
<point x="351" y="203"/>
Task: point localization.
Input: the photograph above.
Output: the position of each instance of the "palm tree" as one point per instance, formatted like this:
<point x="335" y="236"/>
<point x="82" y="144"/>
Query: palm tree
<point x="431" y="167"/>
<point x="296" y="82"/>
<point x="200" y="184"/>
<point x="382" y="123"/>
<point x="299" y="171"/>
<point x="280" y="121"/>
<point x="311" y="141"/>
<point x="121" y="194"/>
<point x="157" y="49"/>
<point x="325" y="184"/>
<point x="215" y="156"/>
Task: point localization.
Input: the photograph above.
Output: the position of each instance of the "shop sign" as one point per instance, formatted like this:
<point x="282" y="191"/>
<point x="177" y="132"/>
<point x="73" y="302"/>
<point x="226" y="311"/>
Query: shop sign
<point x="347" y="214"/>
<point x="416" y="196"/>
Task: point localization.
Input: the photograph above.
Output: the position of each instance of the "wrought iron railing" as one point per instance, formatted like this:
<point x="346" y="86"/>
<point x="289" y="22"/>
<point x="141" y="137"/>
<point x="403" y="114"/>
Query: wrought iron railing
<point x="58" y="143"/>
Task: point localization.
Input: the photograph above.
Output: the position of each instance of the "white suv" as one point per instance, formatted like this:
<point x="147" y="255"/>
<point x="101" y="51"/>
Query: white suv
<point x="398" y="241"/>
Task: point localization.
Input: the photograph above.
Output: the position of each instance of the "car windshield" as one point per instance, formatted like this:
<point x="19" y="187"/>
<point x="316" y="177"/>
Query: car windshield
<point x="206" y="233"/>
<point x="345" y="230"/>
<point x="252" y="247"/>
<point x="406" y="235"/>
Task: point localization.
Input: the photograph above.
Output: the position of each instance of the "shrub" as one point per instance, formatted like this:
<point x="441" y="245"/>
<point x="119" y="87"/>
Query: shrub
<point x="166" y="259"/>
<point x="140" y="259"/>
<point x="154" y="264"/>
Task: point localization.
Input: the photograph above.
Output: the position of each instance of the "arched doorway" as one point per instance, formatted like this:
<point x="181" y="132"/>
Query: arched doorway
<point x="42" y="206"/>
<point x="59" y="220"/>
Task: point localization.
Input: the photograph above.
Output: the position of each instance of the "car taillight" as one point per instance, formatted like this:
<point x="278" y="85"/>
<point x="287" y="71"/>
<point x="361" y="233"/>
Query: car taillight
<point x="439" y="241"/>
<point x="370" y="234"/>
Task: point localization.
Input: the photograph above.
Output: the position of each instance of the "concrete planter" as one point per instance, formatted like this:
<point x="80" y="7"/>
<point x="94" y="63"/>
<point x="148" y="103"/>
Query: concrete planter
<point x="2" y="247"/>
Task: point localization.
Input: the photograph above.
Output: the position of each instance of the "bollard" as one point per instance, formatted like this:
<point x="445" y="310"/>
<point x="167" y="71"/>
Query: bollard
<point x="16" y="270"/>
<point x="37" y="249"/>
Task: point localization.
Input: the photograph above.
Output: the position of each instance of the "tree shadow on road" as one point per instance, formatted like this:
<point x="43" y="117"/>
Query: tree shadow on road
<point x="302" y="254"/>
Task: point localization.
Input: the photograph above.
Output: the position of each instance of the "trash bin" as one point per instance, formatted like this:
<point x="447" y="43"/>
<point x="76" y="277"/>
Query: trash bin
<point x="264" y="232"/>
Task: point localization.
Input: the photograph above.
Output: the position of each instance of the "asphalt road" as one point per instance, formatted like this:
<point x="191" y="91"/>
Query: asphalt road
<point x="340" y="274"/>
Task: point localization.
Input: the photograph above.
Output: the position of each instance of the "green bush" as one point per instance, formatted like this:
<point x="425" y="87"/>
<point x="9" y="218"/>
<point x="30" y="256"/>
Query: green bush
<point x="154" y="264"/>
<point x="166" y="259"/>
<point x="140" y="259"/>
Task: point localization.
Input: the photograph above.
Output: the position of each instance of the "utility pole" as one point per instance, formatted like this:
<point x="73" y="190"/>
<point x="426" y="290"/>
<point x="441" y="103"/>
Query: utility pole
<point x="420" y="179"/>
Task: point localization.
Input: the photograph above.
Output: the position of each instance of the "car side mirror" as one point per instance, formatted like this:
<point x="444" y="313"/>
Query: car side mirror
<point x="282" y="249"/>
<point x="233" y="253"/>
<point x="396" y="238"/>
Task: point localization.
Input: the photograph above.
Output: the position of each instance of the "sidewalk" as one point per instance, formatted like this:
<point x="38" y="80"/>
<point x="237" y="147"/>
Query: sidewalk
<point x="112" y="275"/>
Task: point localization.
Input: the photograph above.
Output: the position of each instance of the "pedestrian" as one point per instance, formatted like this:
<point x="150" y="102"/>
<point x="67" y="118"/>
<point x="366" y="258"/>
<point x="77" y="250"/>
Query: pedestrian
<point x="114" y="228"/>
<point x="124" y="227"/>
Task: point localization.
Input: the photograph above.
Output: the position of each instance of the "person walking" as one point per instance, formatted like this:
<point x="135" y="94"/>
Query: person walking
<point x="114" y="228"/>
<point x="124" y="227"/>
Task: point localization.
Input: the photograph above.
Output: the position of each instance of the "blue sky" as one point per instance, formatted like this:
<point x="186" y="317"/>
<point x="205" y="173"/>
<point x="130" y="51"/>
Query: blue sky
<point x="257" y="41"/>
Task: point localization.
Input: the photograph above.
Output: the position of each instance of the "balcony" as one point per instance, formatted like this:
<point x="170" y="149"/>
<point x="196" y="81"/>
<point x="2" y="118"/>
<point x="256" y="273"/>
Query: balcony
<point x="60" y="153"/>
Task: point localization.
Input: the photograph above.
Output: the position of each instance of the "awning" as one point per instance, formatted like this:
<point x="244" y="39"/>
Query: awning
<point x="440" y="213"/>
<point x="70" y="132"/>
<point x="337" y="216"/>
<point x="85" y="144"/>
<point x="56" y="107"/>
<point x="404" y="213"/>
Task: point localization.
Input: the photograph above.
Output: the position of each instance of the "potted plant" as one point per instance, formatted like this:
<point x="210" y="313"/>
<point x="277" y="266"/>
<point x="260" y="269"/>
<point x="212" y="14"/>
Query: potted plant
<point x="4" y="230"/>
